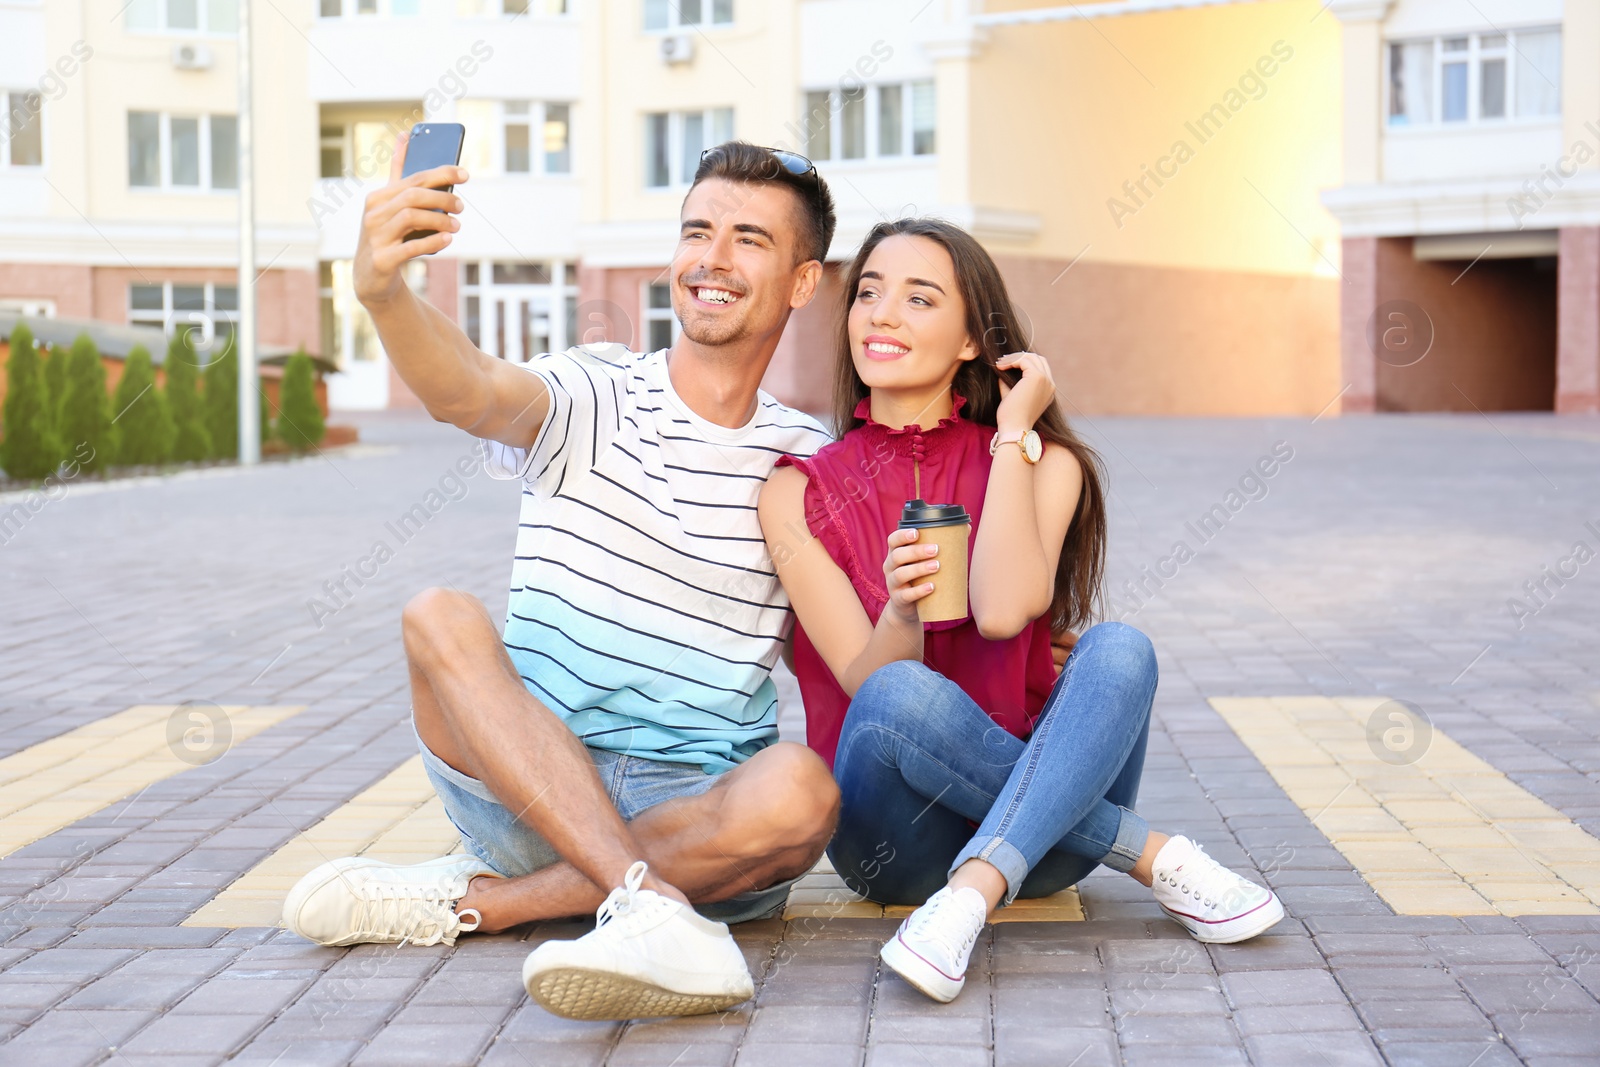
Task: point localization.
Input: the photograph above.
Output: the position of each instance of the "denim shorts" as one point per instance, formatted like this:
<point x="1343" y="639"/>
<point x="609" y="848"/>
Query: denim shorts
<point x="497" y="837"/>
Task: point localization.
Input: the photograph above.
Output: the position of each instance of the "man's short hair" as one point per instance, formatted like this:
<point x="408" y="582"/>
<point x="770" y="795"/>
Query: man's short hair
<point x="747" y="164"/>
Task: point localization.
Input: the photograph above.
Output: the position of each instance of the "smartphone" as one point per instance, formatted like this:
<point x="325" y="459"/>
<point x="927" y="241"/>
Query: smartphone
<point x="433" y="144"/>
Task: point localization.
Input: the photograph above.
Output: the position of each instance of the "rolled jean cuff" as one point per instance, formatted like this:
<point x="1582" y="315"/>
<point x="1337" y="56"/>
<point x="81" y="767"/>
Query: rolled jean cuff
<point x="1003" y="856"/>
<point x="1132" y="835"/>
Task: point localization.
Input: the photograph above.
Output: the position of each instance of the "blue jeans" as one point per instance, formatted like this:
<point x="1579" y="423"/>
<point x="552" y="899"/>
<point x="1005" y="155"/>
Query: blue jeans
<point x="919" y="763"/>
<point x="497" y="837"/>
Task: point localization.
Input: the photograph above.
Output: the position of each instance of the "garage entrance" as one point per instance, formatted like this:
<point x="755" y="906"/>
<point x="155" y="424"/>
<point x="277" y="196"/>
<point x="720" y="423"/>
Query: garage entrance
<point x="1466" y="322"/>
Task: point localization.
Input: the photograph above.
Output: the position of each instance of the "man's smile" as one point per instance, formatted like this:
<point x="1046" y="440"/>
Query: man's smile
<point x="714" y="297"/>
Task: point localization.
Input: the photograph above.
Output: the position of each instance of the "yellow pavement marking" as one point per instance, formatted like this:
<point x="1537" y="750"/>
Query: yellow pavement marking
<point x="822" y="894"/>
<point x="398" y="818"/>
<point x="53" y="784"/>
<point x="1445" y="835"/>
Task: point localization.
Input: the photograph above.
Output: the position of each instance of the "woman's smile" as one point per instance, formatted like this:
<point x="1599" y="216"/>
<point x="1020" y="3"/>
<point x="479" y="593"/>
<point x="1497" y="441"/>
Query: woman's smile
<point x="882" y="347"/>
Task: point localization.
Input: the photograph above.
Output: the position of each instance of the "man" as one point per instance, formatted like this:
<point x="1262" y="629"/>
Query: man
<point x="615" y="748"/>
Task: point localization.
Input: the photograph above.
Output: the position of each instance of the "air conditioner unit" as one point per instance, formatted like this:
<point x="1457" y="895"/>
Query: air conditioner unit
<point x="191" y="57"/>
<point x="679" y="49"/>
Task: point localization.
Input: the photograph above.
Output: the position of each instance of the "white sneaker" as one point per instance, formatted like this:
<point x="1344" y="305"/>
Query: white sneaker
<point x="1210" y="901"/>
<point x="357" y="900"/>
<point x="648" y="955"/>
<point x="931" y="948"/>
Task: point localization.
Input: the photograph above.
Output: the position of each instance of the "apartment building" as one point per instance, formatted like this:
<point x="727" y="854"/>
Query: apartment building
<point x="1470" y="205"/>
<point x="1198" y="204"/>
<point x="585" y="122"/>
<point x="509" y="71"/>
<point x="118" y="174"/>
<point x="1146" y="172"/>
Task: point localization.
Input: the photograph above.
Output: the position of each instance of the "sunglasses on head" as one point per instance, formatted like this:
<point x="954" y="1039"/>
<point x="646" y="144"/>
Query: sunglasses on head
<point x="793" y="162"/>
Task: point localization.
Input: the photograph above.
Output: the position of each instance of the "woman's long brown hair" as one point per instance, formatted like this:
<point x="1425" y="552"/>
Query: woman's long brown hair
<point x="993" y="322"/>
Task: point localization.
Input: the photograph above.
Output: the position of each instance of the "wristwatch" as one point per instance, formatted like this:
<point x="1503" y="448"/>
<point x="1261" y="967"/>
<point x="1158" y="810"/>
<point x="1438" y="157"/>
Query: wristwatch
<point x="1028" y="441"/>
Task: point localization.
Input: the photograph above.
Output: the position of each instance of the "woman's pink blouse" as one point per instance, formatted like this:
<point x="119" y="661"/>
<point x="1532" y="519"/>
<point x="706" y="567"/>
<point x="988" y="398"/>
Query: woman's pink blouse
<point x="856" y="487"/>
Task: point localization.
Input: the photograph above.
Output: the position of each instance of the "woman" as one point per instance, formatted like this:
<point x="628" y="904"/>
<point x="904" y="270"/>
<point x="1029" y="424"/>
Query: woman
<point x="970" y="773"/>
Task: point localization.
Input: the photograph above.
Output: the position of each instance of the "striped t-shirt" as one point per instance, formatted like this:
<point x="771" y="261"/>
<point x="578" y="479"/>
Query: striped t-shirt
<point x="645" y="610"/>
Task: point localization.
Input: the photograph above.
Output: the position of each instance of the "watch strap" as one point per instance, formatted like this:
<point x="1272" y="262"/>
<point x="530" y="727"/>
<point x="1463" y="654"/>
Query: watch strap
<point x="1017" y="437"/>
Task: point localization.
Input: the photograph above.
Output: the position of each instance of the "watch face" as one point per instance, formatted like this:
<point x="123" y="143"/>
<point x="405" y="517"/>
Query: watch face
<point x="1032" y="447"/>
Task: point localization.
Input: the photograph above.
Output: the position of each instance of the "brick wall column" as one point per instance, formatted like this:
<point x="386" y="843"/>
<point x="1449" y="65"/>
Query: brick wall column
<point x="1358" y="299"/>
<point x="443" y="285"/>
<point x="1578" y="321"/>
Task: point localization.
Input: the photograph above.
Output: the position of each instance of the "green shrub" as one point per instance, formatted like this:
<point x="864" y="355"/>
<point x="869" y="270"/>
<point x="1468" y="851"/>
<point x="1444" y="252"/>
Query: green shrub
<point x="221" y="403"/>
<point x="55" y="376"/>
<point x="30" y="448"/>
<point x="145" y="425"/>
<point x="300" y="424"/>
<point x="191" y="440"/>
<point x="86" y="427"/>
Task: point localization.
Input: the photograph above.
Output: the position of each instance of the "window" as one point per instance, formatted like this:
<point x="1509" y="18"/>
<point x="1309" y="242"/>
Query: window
<point x="516" y="137"/>
<point x="521" y="273"/>
<point x="357" y="150"/>
<point x="1454" y="88"/>
<point x="28" y="307"/>
<point x="891" y="127"/>
<point x="922" y="119"/>
<point x="346" y="330"/>
<point x="224" y="152"/>
<point x="331" y="321"/>
<point x="185" y="16"/>
<point x="144" y="149"/>
<point x="853" y="123"/>
<point x="1475" y="78"/>
<point x="333" y="9"/>
<point x="332" y="151"/>
<point x="1492" y="76"/>
<point x="515" y="310"/>
<point x="1537" y="66"/>
<point x="516" y="133"/>
<point x="872" y="121"/>
<point x="558" y="138"/>
<point x="512" y="7"/>
<point x="182" y="152"/>
<point x="23" y="145"/>
<point x="206" y="310"/>
<point x="672" y="14"/>
<point x="819" y="125"/>
<point x="184" y="137"/>
<point x="371" y="146"/>
<point x="661" y="326"/>
<point x="675" y="139"/>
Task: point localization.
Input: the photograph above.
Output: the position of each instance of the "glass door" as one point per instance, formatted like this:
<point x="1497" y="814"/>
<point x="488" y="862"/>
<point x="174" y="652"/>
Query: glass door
<point x="511" y="310"/>
<point x="351" y="341"/>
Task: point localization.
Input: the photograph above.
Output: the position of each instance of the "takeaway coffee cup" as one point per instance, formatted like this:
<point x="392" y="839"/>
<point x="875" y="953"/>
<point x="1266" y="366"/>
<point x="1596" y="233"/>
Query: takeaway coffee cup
<point x="948" y="526"/>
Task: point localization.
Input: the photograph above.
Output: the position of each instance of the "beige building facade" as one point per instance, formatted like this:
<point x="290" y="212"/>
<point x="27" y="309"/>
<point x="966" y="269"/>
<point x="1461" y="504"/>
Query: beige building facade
<point x="1147" y="174"/>
<point x="118" y="181"/>
<point x="1470" y="205"/>
<point x="1194" y="203"/>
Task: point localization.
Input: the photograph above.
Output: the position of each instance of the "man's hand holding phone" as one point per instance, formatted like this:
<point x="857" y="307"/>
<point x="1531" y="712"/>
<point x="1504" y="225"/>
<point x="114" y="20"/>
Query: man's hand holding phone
<point x="455" y="381"/>
<point x="407" y="204"/>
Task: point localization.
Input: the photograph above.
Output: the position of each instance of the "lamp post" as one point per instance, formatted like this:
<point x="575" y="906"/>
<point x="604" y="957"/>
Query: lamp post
<point x="245" y="333"/>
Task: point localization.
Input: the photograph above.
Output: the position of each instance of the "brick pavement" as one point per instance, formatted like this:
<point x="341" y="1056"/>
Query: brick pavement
<point x="1376" y="561"/>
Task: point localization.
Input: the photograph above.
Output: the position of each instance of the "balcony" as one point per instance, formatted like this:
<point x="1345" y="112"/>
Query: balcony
<point x="507" y="218"/>
<point x="1439" y="153"/>
<point x="1470" y="106"/>
<point x="441" y="58"/>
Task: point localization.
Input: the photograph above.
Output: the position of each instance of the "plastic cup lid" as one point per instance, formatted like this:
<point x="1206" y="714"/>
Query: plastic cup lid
<point x="918" y="514"/>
